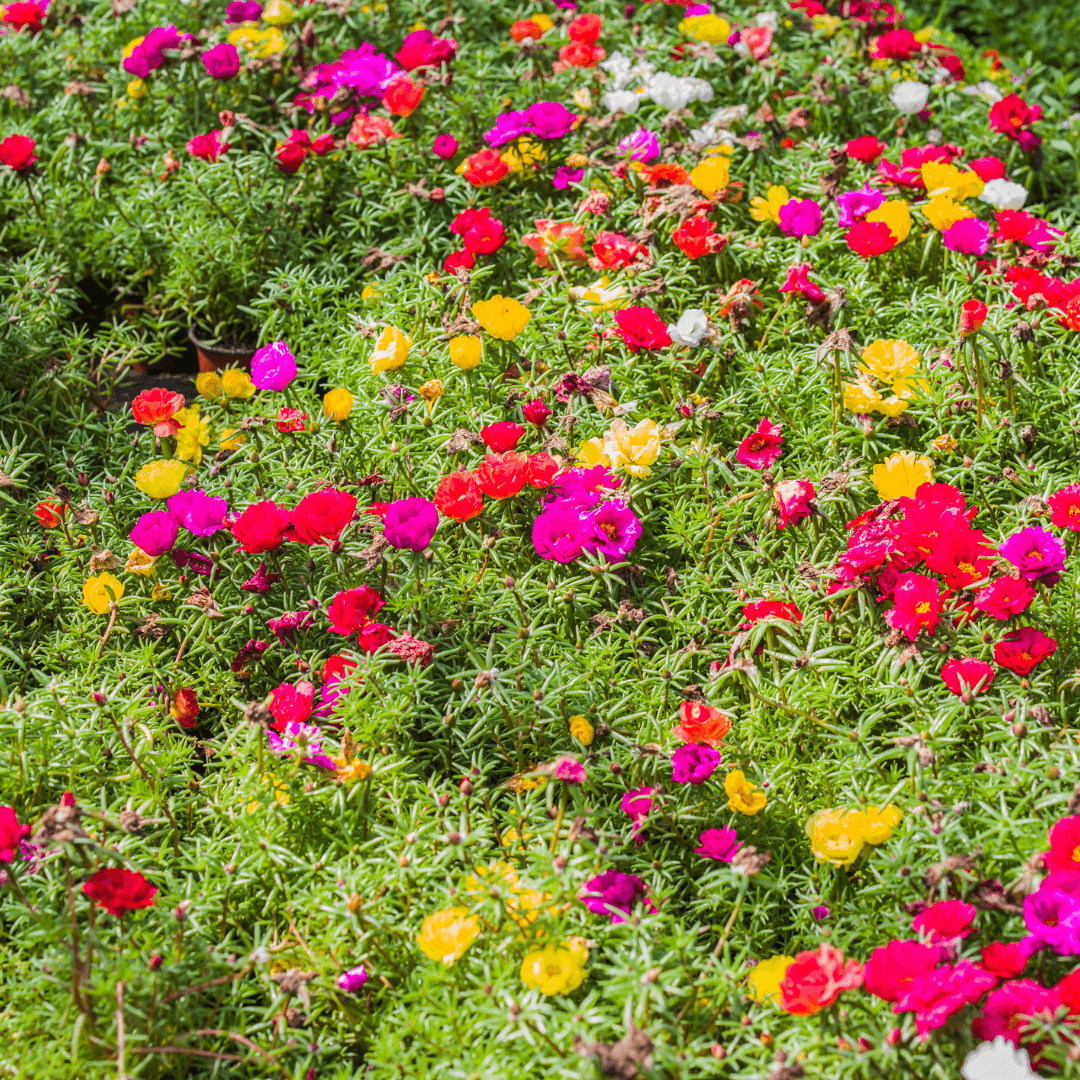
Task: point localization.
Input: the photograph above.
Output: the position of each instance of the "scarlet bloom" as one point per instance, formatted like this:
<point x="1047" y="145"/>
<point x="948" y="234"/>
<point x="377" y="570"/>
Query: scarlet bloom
<point x="1064" y="853"/>
<point x="481" y="234"/>
<point x="49" y="513"/>
<point x="319" y="517"/>
<point x="865" y="148"/>
<point x="641" y="328"/>
<point x="666" y="174"/>
<point x="1006" y="961"/>
<point x="1065" y="508"/>
<point x="526" y="28"/>
<point x="24" y="14"/>
<point x="892" y="968"/>
<point x="289" y="157"/>
<point x="586" y="29"/>
<point x="793" y="501"/>
<point x="972" y="317"/>
<point x="503" y="436"/>
<point x="185" y="707"/>
<point x="613" y="251"/>
<point x="208" y="147"/>
<point x="918" y="605"/>
<point x="1012" y="116"/>
<point x="156" y="408"/>
<point x="701" y="724"/>
<point x="762" y="447"/>
<point x="353" y="609"/>
<point x="946" y="921"/>
<point x="17" y="151"/>
<point x="816" y="979"/>
<point x="697" y="236"/>
<point x="536" y="413"/>
<point x="988" y="168"/>
<point x="578" y="54"/>
<point x="485" y="168"/>
<point x="402" y="97"/>
<point x="770" y="609"/>
<point x="896" y="45"/>
<point x="118" y="890"/>
<point x="968" y="675"/>
<point x="543" y="469"/>
<point x="869" y="239"/>
<point x="961" y="556"/>
<point x="1005" y="597"/>
<point x="261" y="527"/>
<point x="459" y="497"/>
<point x="374" y="636"/>
<point x="1021" y="651"/>
<point x="501" y="476"/>
<point x="11" y="833"/>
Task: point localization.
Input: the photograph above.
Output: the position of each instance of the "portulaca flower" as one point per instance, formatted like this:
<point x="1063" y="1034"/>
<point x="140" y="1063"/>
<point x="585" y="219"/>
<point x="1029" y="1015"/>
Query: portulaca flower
<point x="985" y="89"/>
<point x="618" y="65"/>
<point x="691" y="329"/>
<point x="1004" y="194"/>
<point x="997" y="1060"/>
<point x="769" y="19"/>
<point x="910" y="97"/>
<point x="625" y="101"/>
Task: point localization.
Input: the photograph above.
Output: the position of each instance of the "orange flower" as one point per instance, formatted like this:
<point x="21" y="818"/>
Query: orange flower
<point x="368" y="130"/>
<point x="664" y="175"/>
<point x="741" y="293"/>
<point x="526" y="28"/>
<point x="402" y="97"/>
<point x="49" y="513"/>
<point x="485" y="168"/>
<point x="701" y="724"/>
<point x="562" y="238"/>
<point x="579" y="54"/>
<point x="156" y="408"/>
<point x="816" y="979"/>
<point x="185" y="707"/>
<point x="501" y="476"/>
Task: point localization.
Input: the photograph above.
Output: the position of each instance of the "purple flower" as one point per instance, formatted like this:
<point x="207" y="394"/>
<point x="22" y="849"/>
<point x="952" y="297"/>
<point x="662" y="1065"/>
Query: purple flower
<point x="614" y="893"/>
<point x="199" y="513"/>
<point x="410" y="523"/>
<point x="352" y="980"/>
<point x="1053" y="919"/>
<point x="565" y="176"/>
<point x="641" y="146"/>
<point x="800" y="217"/>
<point x="560" y="534"/>
<point x="222" y="61"/>
<point x="193" y="561"/>
<point x="549" y="119"/>
<point x="969" y="236"/>
<point x="1038" y="555"/>
<point x="855" y="205"/>
<point x="273" y="367"/>
<point x="155" y="532"/>
<point x="820" y="912"/>
<point x="241" y="11"/>
<point x="615" y="531"/>
<point x="570" y="770"/>
<point x="284" y="627"/>
<point x="719" y="844"/>
<point x="301" y="738"/>
<point x="365" y="71"/>
<point x="445" y="146"/>
<point x="694" y="764"/>
<point x="260" y="581"/>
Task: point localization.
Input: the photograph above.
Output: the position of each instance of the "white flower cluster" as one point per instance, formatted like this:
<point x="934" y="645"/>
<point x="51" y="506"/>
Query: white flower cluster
<point x="1004" y="194"/>
<point x="997" y="1060"/>
<point x="669" y="91"/>
<point x="692" y="329"/>
<point x="716" y="129"/>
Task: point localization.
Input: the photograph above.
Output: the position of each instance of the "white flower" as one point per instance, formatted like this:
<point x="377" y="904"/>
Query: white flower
<point x="691" y="329"/>
<point x="910" y="97"/>
<point x="985" y="89"/>
<point x="701" y="89"/>
<point x="625" y="101"/>
<point x="1004" y="194"/>
<point x="997" y="1060"/>
<point x="618" y="66"/>
<point x="741" y="48"/>
<point x="668" y="91"/>
<point x="769" y="19"/>
<point x="727" y="115"/>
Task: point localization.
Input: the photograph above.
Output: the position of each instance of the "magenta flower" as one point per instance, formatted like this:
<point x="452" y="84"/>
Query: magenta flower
<point x="288" y="624"/>
<point x="149" y="54"/>
<point x="694" y="763"/>
<point x="1053" y="919"/>
<point x="719" y="844"/>
<point x="241" y="11"/>
<point x="302" y="739"/>
<point x="155" y="532"/>
<point x="410" y="523"/>
<point x="565" y="176"/>
<point x="261" y="580"/>
<point x="445" y="146"/>
<point x="549" y="120"/>
<point x="934" y="996"/>
<point x="641" y="146"/>
<point x="570" y="770"/>
<point x="615" y="531"/>
<point x="614" y="893"/>
<point x="820" y="912"/>
<point x="969" y="236"/>
<point x="333" y="690"/>
<point x="199" y="513"/>
<point x="761" y="447"/>
<point x="638" y="802"/>
<point x="855" y="205"/>
<point x="580" y="488"/>
<point x="800" y="217"/>
<point x="1038" y="555"/>
<point x="560" y="534"/>
<point x="352" y="980"/>
<point x="273" y="367"/>
<point x="222" y="61"/>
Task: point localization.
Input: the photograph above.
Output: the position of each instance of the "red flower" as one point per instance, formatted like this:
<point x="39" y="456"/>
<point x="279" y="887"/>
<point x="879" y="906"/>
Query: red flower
<point x="988" y="168"/>
<point x="769" y="609"/>
<point x="402" y="97"/>
<point x="526" y="28"/>
<point x="869" y="239"/>
<point x="892" y="968"/>
<point x="865" y="148"/>
<point x="1021" y="651"/>
<point x="697" y="236"/>
<point x="457" y="259"/>
<point x="118" y="890"/>
<point x="49" y="513"/>
<point x="1005" y="597"/>
<point x="17" y="151"/>
<point x="11" y="833"/>
<point x="1006" y="961"/>
<point x="502" y="475"/>
<point x="292" y="704"/>
<point x="208" y="147"/>
<point x="289" y="157"/>
<point x="374" y="636"/>
<point x="918" y="605"/>
<point x="24" y="14"/>
<point x="485" y="168"/>
<point x="972" y="317"/>
<point x="503" y="436"/>
<point x="762" y="447"/>
<point x="964" y="676"/>
<point x="337" y="666"/>
<point x="1011" y="115"/>
<point x="536" y="413"/>
<point x="261" y="527"/>
<point x="666" y="174"/>
<point x="961" y="556"/>
<point x="290" y="420"/>
<point x="422" y="48"/>
<point x="641" y="328"/>
<point x="378" y="509"/>
<point x="945" y="922"/>
<point x="612" y="251"/>
<point x="793" y="501"/>
<point x="1065" y="508"/>
<point x="585" y="28"/>
<point x="481" y="234"/>
<point x="155" y="408"/>
<point x="318" y="518"/>
<point x="578" y="54"/>
<point x="459" y="497"/>
<point x="816" y="979"/>
<point x="353" y="609"/>
<point x="1064" y="853"/>
<point x="185" y="707"/>
<point x="543" y="469"/>
<point x="896" y="45"/>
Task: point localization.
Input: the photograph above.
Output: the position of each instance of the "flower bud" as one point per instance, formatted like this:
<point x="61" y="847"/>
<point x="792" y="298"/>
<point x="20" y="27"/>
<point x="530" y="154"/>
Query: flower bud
<point x="453" y="838"/>
<point x="180" y="914"/>
<point x="110" y="498"/>
<point x="443" y="800"/>
<point x="155" y="962"/>
<point x="354" y="903"/>
<point x="1019" y="729"/>
<point x="465" y="787"/>
<point x="84" y="480"/>
<point x="99" y="698"/>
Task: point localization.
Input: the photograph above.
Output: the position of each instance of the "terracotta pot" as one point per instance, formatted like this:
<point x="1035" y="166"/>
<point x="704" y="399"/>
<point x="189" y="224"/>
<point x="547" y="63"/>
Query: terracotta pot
<point x="218" y="357"/>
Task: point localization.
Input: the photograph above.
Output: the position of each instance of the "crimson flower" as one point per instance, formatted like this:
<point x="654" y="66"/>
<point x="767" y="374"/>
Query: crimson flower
<point x="353" y="609"/>
<point x="11" y="833"/>
<point x="503" y="436"/>
<point x="945" y="922"/>
<point x="762" y="447"/>
<point x="481" y="234"/>
<point x="641" y="328"/>
<point x="793" y="501"/>
<point x="918" y="605"/>
<point x="318" y="518"/>
<point x="261" y="527"/>
<point x="1021" y="651"/>
<point x="865" y="148"/>
<point x="1065" y="508"/>
<point x="891" y="969"/>
<point x="17" y="151"/>
<point x="869" y="239"/>
<point x="119" y="890"/>
<point x="208" y="147"/>
<point x="968" y="676"/>
<point x="1005" y="597"/>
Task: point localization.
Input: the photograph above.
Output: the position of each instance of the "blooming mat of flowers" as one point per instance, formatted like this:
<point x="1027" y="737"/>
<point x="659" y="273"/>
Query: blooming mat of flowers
<point x="620" y="619"/>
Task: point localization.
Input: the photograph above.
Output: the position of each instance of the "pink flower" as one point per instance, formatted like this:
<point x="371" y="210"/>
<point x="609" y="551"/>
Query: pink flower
<point x="762" y="447"/>
<point x="155" y="532"/>
<point x="969" y="236"/>
<point x="946" y="921"/>
<point x="1008" y="1008"/>
<point x="718" y="844"/>
<point x="273" y="367"/>
<point x="793" y="501"/>
<point x="693" y="763"/>
<point x="917" y="605"/>
<point x="222" y="61"/>
<point x="968" y="676"/>
<point x="11" y="833"/>
<point x="445" y="146"/>
<point x="891" y="969"/>
<point x="936" y="995"/>
<point x="569" y="770"/>
<point x="292" y="703"/>
<point x="209" y="148"/>
<point x="798" y="281"/>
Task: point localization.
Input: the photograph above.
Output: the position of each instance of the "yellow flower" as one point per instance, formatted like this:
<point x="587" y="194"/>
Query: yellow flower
<point x="860" y="397"/>
<point x="525" y="907"/>
<point x="555" y="970"/>
<point x="502" y="316"/>
<point x="827" y="25"/>
<point x="231" y="439"/>
<point x="278" y="13"/>
<point x="431" y="391"/>
<point x="942" y="212"/>
<point x="710" y="28"/>
<point x="498" y="874"/>
<point x="542" y="20"/>
<point x="601" y="295"/>
<point x="768" y="209"/>
<point x="593" y="452"/>
<point x="161" y="478"/>
<point x="943" y="179"/>
<point x="712" y="174"/>
<point x="901" y="474"/>
<point x="524" y="154"/>
<point x="945" y="444"/>
<point x="208" y="385"/>
<point x="391" y="350"/>
<point x="337" y="404"/>
<point x="193" y="435"/>
<point x="897" y="215"/>
<point x="636" y="448"/>
<point x="583" y="100"/>
<point x="890" y="359"/>
<point x="237" y="383"/>
<point x="138" y="562"/>
<point x="879" y="822"/>
<point x="582" y="730"/>
<point x="351" y="772"/>
<point x="445" y="935"/>
<point x="369" y="292"/>
<point x="765" y="978"/>
<point x="466" y="351"/>
<point x="837" y="836"/>
<point x="743" y="797"/>
<point x="100" y="591"/>
<point x="136" y="89"/>
<point x="262" y="43"/>
<point x="161" y="592"/>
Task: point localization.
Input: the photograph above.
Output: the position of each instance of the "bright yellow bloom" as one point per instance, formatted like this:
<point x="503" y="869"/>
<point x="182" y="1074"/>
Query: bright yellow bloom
<point x="943" y="212"/>
<point x="193" y="435"/>
<point x="542" y="20"/>
<point x="743" y="797"/>
<point x="499" y="875"/>
<point x="466" y="351"/>
<point x="879" y="823"/>
<point x="593" y="452"/>
<point x="943" y="179"/>
<point x="827" y="25"/>
<point x="369" y="292"/>
<point x="636" y="448"/>
<point x="161" y="478"/>
<point x="945" y="444"/>
<point x="100" y="591"/>
<point x="837" y="836"/>
<point x="237" y="383"/>
<point x="502" y="316"/>
<point x="524" y="154"/>
<point x="431" y="391"/>
<point x="278" y="13"/>
<point x="136" y="89"/>
<point x="712" y="174"/>
<point x="890" y="359"/>
<point x="897" y="215"/>
<point x="582" y="730"/>
<point x="768" y="209"/>
<point x="261" y="43"/>
<point x="337" y="404"/>
<point x="901" y="475"/>
<point x="602" y="295"/>
<point x="138" y="562"/>
<point x="525" y="907"/>
<point x="445" y="935"/>
<point x="897" y="402"/>
<point x="555" y="970"/>
<point x="231" y="439"/>
<point x="208" y="385"/>
<point x="391" y="350"/>
<point x="710" y="28"/>
<point x="860" y="397"/>
<point x="765" y="978"/>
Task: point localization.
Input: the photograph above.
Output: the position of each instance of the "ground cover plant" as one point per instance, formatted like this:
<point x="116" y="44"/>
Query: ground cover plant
<point x="607" y="607"/>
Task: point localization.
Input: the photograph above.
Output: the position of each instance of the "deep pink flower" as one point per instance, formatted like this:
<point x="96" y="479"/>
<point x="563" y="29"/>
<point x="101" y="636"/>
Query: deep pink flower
<point x="261" y="527"/>
<point x="963" y="676"/>
<point x="199" y="513"/>
<point x="208" y="147"/>
<point x="793" y="501"/>
<point x="616" y="894"/>
<point x="559" y="533"/>
<point x="320" y="516"/>
<point x="536" y="413"/>
<point x="155" y="532"/>
<point x="891" y="969"/>
<point x="261" y="581"/>
<point x="615" y="530"/>
<point x="641" y="328"/>
<point x="936" y="995"/>
<point x="1064" y="853"/>
<point x="1005" y="597"/>
<point x="569" y="770"/>
<point x="1052" y="918"/>
<point x="445" y="146"/>
<point x="718" y="844"/>
<point x="693" y="763"/>
<point x="762" y="447"/>
<point x="273" y="367"/>
<point x="292" y="703"/>
<point x="968" y="236"/>
<point x="800" y="217"/>
<point x="352" y="609"/>
<point x="1021" y="651"/>
<point x="222" y="61"/>
<point x="410" y="523"/>
<point x="1038" y="554"/>
<point x="11" y="833"/>
<point x="798" y="281"/>
<point x="945" y="922"/>
<point x="1008" y="1009"/>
